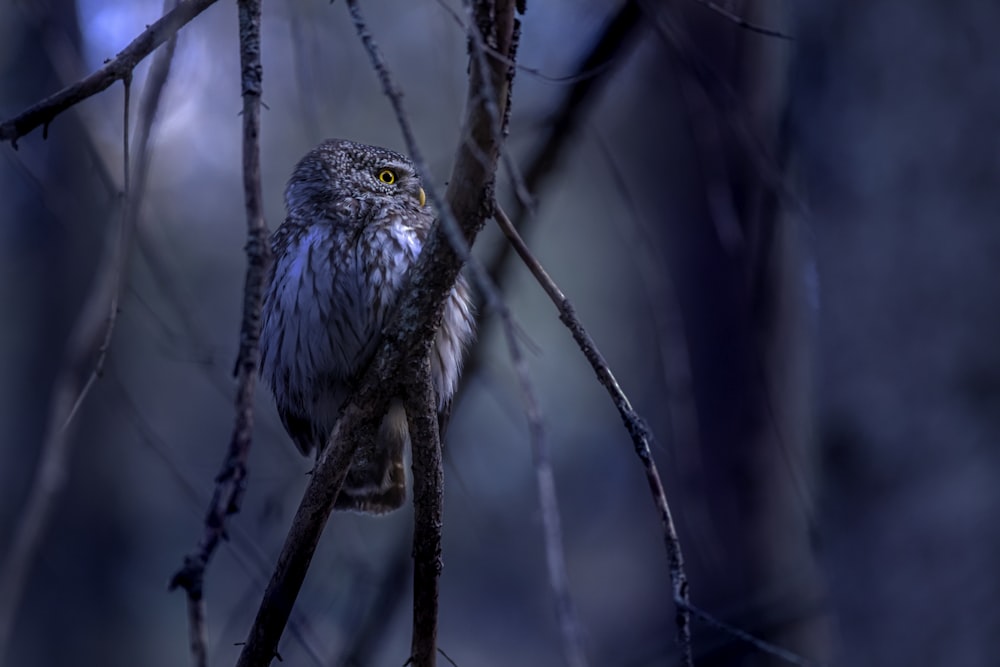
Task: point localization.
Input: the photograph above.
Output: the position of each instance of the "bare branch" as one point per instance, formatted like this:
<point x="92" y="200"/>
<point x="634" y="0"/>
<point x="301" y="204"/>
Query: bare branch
<point x="569" y="626"/>
<point x="555" y="558"/>
<point x="428" y="499"/>
<point x="634" y="424"/>
<point x="366" y="633"/>
<point x="763" y="646"/>
<point x="357" y="423"/>
<point x="92" y="329"/>
<point x="742" y="22"/>
<point x="470" y="197"/>
<point x="531" y="71"/>
<point x="197" y="631"/>
<point x="117" y="69"/>
<point x="231" y="481"/>
<point x="617" y="35"/>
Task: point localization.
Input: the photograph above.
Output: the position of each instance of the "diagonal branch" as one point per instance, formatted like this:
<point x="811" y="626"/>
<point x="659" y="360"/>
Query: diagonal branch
<point x="634" y="424"/>
<point x="117" y="69"/>
<point x="417" y="316"/>
<point x="572" y="642"/>
<point x="616" y="37"/>
<point x="742" y="22"/>
<point x="92" y="331"/>
<point x="423" y="631"/>
<point x="231" y="481"/>
<point x="428" y="499"/>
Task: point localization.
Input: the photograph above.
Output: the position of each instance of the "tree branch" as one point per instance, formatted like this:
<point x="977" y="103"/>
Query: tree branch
<point x="634" y="424"/>
<point x="423" y="631"/>
<point x="428" y="499"/>
<point x="231" y="481"/>
<point x="572" y="643"/>
<point x="417" y="317"/>
<point x="592" y="72"/>
<point x="116" y="69"/>
<point x="742" y="22"/>
<point x="763" y="646"/>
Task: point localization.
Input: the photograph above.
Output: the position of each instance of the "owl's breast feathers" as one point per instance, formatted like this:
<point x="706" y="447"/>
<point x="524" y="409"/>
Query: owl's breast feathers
<point x="329" y="294"/>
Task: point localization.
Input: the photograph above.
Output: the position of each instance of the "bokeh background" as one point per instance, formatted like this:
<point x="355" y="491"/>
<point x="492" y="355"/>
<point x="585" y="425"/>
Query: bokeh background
<point x="787" y="251"/>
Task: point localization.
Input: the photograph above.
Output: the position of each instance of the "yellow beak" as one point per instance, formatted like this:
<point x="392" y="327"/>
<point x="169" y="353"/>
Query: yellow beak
<point x="423" y="198"/>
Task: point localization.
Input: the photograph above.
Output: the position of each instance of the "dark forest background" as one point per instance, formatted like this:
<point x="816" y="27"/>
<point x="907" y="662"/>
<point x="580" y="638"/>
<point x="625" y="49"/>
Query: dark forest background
<point x="787" y="250"/>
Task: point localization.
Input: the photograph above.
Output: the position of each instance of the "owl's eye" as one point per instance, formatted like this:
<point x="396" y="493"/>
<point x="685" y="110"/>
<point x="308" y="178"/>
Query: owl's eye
<point x="387" y="176"/>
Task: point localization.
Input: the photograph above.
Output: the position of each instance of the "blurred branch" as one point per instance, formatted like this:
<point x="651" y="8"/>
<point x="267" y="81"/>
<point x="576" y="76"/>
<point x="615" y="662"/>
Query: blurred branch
<point x="231" y="481"/>
<point x="365" y="636"/>
<point x="617" y="34"/>
<point x="414" y="322"/>
<point x="715" y="90"/>
<point x="663" y="310"/>
<point x="245" y="550"/>
<point x="304" y="80"/>
<point x="742" y="22"/>
<point x="572" y="643"/>
<point x="634" y="424"/>
<point x="118" y="68"/>
<point x="93" y="329"/>
<point x="531" y="71"/>
<point x="555" y="558"/>
<point x="761" y="645"/>
<point x="428" y="499"/>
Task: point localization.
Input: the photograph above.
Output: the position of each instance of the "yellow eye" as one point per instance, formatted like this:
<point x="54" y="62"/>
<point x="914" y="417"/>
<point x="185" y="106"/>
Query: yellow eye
<point x="387" y="176"/>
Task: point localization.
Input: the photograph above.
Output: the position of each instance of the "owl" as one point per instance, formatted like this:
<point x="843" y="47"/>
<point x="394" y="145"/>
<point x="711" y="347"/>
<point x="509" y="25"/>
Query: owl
<point x="356" y="222"/>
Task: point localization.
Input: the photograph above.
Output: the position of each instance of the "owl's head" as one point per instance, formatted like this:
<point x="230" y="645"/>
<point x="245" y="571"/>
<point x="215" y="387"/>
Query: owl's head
<point x="352" y="179"/>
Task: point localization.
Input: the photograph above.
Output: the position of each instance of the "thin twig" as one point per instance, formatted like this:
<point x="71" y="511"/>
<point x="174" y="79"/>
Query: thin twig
<point x="759" y="644"/>
<point x="607" y="49"/>
<point x="634" y="424"/>
<point x="197" y="631"/>
<point x="742" y="22"/>
<point x="530" y="71"/>
<point x="135" y="191"/>
<point x="427" y="532"/>
<point x="662" y="306"/>
<point x="366" y="634"/>
<point x="428" y="500"/>
<point x="117" y="69"/>
<point x="569" y="626"/>
<point x="555" y="557"/>
<point x="93" y="328"/>
<point x="357" y="424"/>
<point x="104" y="298"/>
<point x="546" y="485"/>
<point x="727" y="103"/>
<point x="231" y="481"/>
<point x="470" y="195"/>
<point x="244" y="549"/>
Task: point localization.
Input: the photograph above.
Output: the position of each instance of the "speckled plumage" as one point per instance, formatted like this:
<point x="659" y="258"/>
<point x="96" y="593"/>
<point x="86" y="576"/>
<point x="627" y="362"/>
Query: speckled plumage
<point x="340" y="258"/>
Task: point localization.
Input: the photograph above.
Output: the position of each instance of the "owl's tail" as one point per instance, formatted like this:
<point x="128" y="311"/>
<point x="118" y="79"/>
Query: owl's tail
<point x="376" y="482"/>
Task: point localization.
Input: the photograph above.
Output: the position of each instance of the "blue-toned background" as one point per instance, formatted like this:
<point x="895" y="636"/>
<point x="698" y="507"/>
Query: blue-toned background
<point x="820" y="366"/>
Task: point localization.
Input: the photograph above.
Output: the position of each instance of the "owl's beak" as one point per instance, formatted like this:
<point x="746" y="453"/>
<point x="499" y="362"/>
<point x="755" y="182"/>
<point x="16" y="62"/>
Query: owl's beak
<point x="423" y="198"/>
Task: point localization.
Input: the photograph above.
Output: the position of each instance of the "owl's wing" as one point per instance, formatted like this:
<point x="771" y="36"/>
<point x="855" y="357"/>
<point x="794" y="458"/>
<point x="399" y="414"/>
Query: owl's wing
<point x="304" y="432"/>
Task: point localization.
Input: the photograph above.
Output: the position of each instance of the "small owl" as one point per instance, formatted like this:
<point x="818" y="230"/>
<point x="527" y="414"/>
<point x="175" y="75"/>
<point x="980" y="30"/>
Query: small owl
<point x="356" y="223"/>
